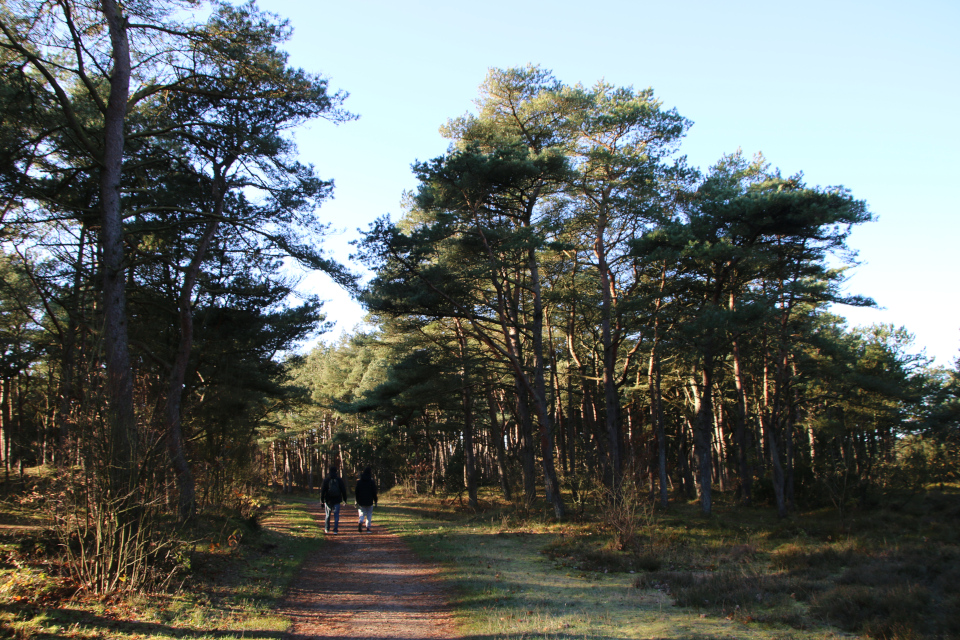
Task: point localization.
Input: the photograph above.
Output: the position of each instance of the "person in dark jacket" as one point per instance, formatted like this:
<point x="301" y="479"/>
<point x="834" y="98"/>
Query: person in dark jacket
<point x="366" y="497"/>
<point x="333" y="492"/>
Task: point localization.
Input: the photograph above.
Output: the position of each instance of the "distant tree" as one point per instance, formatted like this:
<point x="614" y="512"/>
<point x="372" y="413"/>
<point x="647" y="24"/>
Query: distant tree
<point x="22" y="347"/>
<point x="746" y="232"/>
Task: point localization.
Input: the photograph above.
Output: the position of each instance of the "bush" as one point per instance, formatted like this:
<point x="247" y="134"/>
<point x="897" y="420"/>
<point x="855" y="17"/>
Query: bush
<point x="626" y="512"/>
<point x="793" y="557"/>
<point x="897" y="611"/>
<point x="771" y="598"/>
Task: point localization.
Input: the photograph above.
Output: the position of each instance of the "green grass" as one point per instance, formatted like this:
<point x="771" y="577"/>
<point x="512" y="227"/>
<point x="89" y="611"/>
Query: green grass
<point x="236" y="577"/>
<point x="891" y="574"/>
<point x="527" y="577"/>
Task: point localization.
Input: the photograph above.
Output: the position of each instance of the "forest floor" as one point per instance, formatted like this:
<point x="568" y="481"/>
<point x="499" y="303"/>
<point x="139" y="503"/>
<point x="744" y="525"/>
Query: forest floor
<point x="366" y="585"/>
<point x="890" y="572"/>
<point x="435" y="568"/>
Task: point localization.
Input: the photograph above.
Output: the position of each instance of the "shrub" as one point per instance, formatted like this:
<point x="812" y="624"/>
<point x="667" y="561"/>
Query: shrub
<point x="897" y="611"/>
<point x="625" y="511"/>
<point x="648" y="562"/>
<point x="793" y="557"/>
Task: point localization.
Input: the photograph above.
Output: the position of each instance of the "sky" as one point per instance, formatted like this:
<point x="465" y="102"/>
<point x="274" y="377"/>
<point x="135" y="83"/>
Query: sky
<point x="863" y="94"/>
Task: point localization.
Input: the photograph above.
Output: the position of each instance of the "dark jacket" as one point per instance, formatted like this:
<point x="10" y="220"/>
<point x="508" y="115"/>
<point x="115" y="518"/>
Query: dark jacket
<point x="325" y="496"/>
<point x="366" y="491"/>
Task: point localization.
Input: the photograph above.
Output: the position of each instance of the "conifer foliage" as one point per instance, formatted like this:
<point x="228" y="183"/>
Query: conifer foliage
<point x="566" y="308"/>
<point x="608" y="314"/>
<point x="151" y="192"/>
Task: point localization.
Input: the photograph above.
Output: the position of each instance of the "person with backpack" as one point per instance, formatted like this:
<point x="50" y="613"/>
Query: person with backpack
<point x="365" y="496"/>
<point x="333" y="492"/>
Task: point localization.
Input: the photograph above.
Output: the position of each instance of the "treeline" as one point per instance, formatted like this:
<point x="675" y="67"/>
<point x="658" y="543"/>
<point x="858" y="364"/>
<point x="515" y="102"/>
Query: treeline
<point x="566" y="304"/>
<point x="152" y="205"/>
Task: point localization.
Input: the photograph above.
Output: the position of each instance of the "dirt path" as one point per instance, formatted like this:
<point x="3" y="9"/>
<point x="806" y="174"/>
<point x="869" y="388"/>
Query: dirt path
<point x="366" y="585"/>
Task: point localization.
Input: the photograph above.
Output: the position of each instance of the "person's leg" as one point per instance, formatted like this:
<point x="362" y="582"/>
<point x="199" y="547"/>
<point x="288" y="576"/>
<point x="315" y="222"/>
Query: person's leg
<point x="367" y="514"/>
<point x="326" y="521"/>
<point x="336" y="517"/>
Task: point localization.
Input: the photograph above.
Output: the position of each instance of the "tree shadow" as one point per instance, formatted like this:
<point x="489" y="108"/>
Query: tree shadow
<point x="85" y="622"/>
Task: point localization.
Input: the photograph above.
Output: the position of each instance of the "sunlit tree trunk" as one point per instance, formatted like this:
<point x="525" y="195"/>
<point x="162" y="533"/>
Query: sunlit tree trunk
<point x="703" y="427"/>
<point x="497" y="435"/>
<point x="740" y="428"/>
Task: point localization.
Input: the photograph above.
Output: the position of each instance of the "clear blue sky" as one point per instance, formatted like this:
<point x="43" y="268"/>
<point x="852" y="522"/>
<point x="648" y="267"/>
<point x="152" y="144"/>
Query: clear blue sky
<point x="863" y="94"/>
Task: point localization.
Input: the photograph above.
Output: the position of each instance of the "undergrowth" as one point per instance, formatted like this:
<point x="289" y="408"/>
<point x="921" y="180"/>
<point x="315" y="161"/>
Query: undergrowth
<point x="235" y="568"/>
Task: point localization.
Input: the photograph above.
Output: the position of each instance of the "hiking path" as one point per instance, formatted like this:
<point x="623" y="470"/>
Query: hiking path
<point x="366" y="585"/>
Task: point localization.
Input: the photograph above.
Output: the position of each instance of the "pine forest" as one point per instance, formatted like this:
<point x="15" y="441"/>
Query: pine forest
<point x="566" y="320"/>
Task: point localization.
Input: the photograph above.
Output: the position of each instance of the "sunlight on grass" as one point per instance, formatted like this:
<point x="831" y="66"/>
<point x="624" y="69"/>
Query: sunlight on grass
<point x="239" y="577"/>
<point x="505" y="586"/>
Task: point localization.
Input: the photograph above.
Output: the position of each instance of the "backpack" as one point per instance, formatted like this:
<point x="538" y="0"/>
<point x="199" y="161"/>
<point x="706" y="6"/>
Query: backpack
<point x="333" y="489"/>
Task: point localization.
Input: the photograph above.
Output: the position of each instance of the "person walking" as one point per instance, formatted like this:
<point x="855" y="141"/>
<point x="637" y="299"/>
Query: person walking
<point x="366" y="497"/>
<point x="333" y="492"/>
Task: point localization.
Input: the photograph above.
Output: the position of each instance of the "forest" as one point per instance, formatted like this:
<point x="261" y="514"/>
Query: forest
<point x="567" y="305"/>
<point x="566" y="314"/>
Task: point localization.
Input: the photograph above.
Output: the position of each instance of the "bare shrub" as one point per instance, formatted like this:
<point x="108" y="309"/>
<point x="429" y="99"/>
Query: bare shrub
<point x="409" y="487"/>
<point x="627" y="513"/>
<point x="113" y="543"/>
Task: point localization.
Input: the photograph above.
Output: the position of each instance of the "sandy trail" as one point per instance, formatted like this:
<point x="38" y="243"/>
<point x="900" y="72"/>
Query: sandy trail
<point x="366" y="585"/>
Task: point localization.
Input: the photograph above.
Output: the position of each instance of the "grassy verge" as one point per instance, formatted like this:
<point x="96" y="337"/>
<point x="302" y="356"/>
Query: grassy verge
<point x="237" y="574"/>
<point x="739" y="574"/>
<point x="510" y="582"/>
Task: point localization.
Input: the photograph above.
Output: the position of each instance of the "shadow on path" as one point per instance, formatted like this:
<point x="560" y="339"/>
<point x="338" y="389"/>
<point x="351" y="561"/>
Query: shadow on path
<point x="366" y="585"/>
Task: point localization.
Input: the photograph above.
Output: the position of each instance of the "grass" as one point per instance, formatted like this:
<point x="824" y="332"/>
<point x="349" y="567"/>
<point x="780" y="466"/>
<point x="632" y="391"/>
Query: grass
<point x="890" y="574"/>
<point x="237" y="575"/>
<point x="528" y="577"/>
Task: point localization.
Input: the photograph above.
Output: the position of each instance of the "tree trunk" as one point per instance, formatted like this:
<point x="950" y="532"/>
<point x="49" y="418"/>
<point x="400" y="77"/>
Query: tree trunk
<point x="539" y="393"/>
<point x="558" y="405"/>
<point x="68" y="361"/>
<point x="769" y="422"/>
<point x="6" y="430"/>
<point x="611" y="399"/>
<point x="123" y="424"/>
<point x="178" y="372"/>
<point x="274" y="469"/>
<point x="656" y="420"/>
<point x="740" y="430"/>
<point x="612" y="420"/>
<point x="311" y="469"/>
<point x="572" y="440"/>
<point x="687" y="482"/>
<point x="720" y="450"/>
<point x="703" y="432"/>
<point x="525" y="424"/>
<point x="469" y="462"/>
<point x="287" y="472"/>
<point x="497" y="435"/>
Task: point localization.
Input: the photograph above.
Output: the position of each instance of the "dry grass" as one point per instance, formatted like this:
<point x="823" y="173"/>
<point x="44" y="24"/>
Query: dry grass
<point x="526" y="576"/>
<point x="886" y="574"/>
<point x="237" y="571"/>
